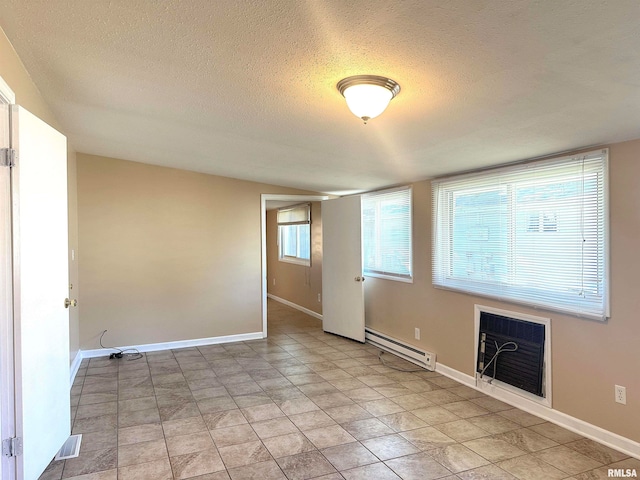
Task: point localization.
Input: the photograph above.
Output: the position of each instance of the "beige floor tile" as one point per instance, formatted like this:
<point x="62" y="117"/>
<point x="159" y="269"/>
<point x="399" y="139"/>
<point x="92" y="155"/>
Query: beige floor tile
<point x="190" y="443"/>
<point x="382" y="407"/>
<point x="305" y="465"/>
<point x="419" y="466"/>
<point x="402" y="421"/>
<point x="390" y="446"/>
<point x="521" y="417"/>
<point x="330" y="400"/>
<point x="298" y="405"/>
<point x="138" y="417"/>
<point x="465" y="409"/>
<point x="441" y="397"/>
<point x="216" y="404"/>
<point x="329" y="436"/>
<point x="427" y="438"/>
<point x="104" y="475"/>
<point x="99" y="440"/>
<point x="567" y="460"/>
<point x="461" y="430"/>
<point x="494" y="449"/>
<point x="364" y="394"/>
<point x="435" y="415"/>
<point x="457" y="458"/>
<point x="368" y="428"/>
<point x="226" y="436"/>
<point x="227" y="418"/>
<point x="489" y="403"/>
<point x="312" y="420"/>
<point x="377" y="471"/>
<point x="286" y="445"/>
<point x="527" y="440"/>
<point x="97" y="409"/>
<point x="183" y="426"/>
<point x="156" y="470"/>
<point x="597" y="451"/>
<point x="195" y="464"/>
<point x="494" y="423"/>
<point x="139" y="433"/>
<point x="274" y="427"/>
<point x="489" y="472"/>
<point x="528" y="467"/>
<point x="555" y="433"/>
<point x="142" y="452"/>
<point x="95" y="424"/>
<point x="268" y="470"/>
<point x="262" y="412"/>
<point x="134" y="404"/>
<point x="352" y="455"/>
<point x="347" y="413"/>
<point x="244" y="454"/>
<point x="90" y="462"/>
<point x="412" y="401"/>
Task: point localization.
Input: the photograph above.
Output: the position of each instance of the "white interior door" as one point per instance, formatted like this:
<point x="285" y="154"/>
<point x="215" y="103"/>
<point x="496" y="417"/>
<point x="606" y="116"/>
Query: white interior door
<point x="342" y="279"/>
<point x="7" y="409"/>
<point x="41" y="284"/>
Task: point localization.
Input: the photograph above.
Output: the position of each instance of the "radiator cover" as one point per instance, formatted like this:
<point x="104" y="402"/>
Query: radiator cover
<point x="522" y="369"/>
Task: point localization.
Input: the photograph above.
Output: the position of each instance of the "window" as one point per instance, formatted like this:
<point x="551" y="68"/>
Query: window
<point x="386" y="234"/>
<point x="534" y="233"/>
<point x="294" y="234"/>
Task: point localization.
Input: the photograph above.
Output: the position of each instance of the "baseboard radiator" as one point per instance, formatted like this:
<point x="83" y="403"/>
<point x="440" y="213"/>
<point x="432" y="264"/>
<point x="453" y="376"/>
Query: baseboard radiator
<point x="401" y="349"/>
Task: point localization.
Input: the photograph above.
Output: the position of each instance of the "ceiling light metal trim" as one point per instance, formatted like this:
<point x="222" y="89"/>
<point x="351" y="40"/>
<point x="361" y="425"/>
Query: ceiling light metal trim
<point x="389" y="84"/>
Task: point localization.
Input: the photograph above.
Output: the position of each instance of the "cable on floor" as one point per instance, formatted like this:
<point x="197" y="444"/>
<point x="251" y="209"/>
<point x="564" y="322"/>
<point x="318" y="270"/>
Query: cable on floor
<point x="397" y="368"/>
<point x="136" y="355"/>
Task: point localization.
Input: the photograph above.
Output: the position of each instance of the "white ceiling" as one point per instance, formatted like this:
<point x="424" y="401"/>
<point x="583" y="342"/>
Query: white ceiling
<point x="246" y="88"/>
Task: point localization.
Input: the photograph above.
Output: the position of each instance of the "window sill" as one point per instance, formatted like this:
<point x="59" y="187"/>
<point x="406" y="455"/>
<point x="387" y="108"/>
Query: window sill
<point x="389" y="277"/>
<point x="295" y="261"/>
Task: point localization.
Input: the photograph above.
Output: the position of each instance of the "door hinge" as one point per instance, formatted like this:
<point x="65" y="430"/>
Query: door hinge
<point x="12" y="447"/>
<point x="8" y="157"/>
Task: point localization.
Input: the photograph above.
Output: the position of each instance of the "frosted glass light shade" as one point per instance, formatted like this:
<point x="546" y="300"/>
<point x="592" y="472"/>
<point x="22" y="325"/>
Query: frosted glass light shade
<point x="367" y="101"/>
<point x="368" y="96"/>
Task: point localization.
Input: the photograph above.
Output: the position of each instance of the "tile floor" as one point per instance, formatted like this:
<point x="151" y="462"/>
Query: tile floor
<point x="303" y="404"/>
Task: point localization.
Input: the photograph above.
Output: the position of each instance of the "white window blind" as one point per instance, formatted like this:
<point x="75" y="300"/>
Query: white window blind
<point x="534" y="233"/>
<point x="294" y="234"/>
<point x="386" y="234"/>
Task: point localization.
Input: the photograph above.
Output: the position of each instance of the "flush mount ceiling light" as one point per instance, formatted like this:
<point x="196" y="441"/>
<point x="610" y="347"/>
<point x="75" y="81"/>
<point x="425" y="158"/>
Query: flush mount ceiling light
<point x="368" y="95"/>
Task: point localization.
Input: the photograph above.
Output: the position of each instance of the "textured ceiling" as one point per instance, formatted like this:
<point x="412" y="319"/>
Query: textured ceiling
<point x="246" y="88"/>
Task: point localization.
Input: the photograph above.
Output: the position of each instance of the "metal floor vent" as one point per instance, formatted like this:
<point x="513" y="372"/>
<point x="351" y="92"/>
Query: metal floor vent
<point x="71" y="448"/>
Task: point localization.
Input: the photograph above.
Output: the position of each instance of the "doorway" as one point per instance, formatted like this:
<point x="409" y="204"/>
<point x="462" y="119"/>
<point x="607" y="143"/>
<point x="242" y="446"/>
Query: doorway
<point x="274" y="201"/>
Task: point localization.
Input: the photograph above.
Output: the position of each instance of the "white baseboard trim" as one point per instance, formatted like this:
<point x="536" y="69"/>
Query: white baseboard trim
<point x="75" y="366"/>
<point x="198" y="342"/>
<point x="610" y="439"/>
<point x="295" y="305"/>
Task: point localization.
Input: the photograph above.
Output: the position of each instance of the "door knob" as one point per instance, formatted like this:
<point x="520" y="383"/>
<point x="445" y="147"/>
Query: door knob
<point x="70" y="303"/>
<point x="359" y="279"/>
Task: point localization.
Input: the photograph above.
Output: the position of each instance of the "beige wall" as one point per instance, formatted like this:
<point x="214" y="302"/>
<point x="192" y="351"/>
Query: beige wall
<point x="167" y="254"/>
<point x="296" y="283"/>
<point x="27" y="95"/>
<point x="588" y="357"/>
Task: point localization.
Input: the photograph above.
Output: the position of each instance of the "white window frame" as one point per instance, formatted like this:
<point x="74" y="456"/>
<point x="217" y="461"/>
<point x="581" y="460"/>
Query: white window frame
<point x="390" y="275"/>
<point x="298" y="260"/>
<point x="594" y="307"/>
<point x="295" y="216"/>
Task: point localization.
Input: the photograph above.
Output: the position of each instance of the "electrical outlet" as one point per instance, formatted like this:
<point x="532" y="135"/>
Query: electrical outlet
<point x="319" y="298"/>
<point x="417" y="334"/>
<point x="621" y="395"/>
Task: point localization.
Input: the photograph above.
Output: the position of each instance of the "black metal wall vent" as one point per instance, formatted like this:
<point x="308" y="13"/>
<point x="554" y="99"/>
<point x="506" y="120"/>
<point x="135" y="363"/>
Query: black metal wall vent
<point x="522" y="368"/>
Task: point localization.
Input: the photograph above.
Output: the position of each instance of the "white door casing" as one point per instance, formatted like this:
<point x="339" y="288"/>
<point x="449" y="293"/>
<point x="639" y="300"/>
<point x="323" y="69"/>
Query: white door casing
<point x="342" y="278"/>
<point x="41" y="284"/>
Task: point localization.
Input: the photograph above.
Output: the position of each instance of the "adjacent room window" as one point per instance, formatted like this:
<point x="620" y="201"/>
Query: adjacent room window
<point x="386" y="234"/>
<point x="294" y="234"/>
<point x="533" y="233"/>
